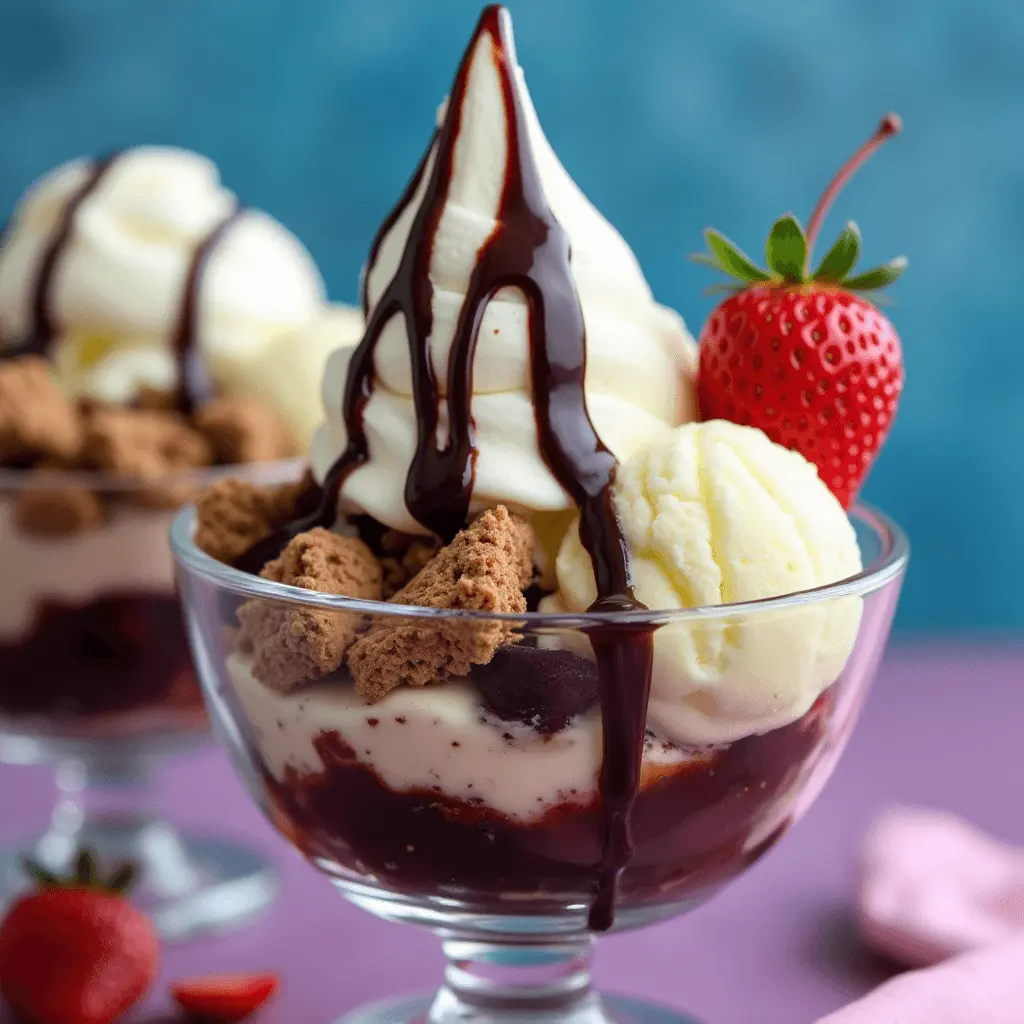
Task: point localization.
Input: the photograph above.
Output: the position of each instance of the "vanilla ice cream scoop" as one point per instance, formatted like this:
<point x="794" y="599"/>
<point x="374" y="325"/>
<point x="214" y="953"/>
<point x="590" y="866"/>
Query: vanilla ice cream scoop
<point x="718" y="514"/>
<point x="640" y="360"/>
<point x="288" y="373"/>
<point x="101" y="258"/>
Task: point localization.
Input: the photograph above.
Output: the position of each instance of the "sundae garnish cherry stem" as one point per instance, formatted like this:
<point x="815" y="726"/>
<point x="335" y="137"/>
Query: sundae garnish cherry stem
<point x="889" y="126"/>
<point x="789" y="248"/>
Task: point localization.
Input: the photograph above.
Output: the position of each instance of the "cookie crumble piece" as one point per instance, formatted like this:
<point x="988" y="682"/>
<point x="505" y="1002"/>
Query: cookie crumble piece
<point x="37" y="420"/>
<point x="244" y="430"/>
<point x="144" y="444"/>
<point x="403" y="556"/>
<point x="293" y="644"/>
<point x="233" y="515"/>
<point x="58" y="512"/>
<point x="154" y="399"/>
<point x="484" y="569"/>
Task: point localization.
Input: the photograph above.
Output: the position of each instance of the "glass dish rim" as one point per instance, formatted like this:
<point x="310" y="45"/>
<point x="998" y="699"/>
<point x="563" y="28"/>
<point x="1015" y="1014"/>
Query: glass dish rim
<point x="266" y="471"/>
<point x="888" y="566"/>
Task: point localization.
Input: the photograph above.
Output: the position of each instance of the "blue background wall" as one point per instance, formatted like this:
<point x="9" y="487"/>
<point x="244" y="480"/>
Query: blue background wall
<point x="671" y="115"/>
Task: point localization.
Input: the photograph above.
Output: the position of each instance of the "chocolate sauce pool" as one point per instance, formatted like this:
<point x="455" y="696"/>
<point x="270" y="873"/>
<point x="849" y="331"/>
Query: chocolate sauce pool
<point x="194" y="386"/>
<point x="528" y="250"/>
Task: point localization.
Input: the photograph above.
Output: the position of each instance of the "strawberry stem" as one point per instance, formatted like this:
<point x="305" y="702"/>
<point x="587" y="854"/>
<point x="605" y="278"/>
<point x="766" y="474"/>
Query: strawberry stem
<point x="890" y="125"/>
<point x="85" y="874"/>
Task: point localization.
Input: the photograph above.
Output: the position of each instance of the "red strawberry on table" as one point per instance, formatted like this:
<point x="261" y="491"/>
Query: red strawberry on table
<point x="76" y="951"/>
<point x="803" y="355"/>
<point x="224" y="998"/>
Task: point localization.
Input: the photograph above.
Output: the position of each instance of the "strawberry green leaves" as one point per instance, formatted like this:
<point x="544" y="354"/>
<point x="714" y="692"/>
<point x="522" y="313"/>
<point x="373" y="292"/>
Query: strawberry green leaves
<point x="85" y="874"/>
<point x="730" y="259"/>
<point x="786" y="249"/>
<point x="122" y="878"/>
<point x="878" y="277"/>
<point x="839" y="260"/>
<point x="788" y="259"/>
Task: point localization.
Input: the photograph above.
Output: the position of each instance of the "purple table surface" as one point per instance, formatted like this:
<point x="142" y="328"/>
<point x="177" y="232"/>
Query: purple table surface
<point x="776" y="947"/>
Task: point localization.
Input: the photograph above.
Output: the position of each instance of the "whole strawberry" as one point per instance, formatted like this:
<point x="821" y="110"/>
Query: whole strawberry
<point x="801" y="355"/>
<point x="76" y="951"/>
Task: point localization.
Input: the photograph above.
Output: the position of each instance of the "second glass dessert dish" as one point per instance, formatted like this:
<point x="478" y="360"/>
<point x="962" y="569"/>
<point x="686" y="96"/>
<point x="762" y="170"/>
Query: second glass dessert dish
<point x="96" y="680"/>
<point x="144" y="317"/>
<point x="536" y="653"/>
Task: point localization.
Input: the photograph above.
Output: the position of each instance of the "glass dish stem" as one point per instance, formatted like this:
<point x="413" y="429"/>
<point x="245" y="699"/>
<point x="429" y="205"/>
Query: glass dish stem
<point x="188" y="884"/>
<point x="487" y="981"/>
<point x="529" y="981"/>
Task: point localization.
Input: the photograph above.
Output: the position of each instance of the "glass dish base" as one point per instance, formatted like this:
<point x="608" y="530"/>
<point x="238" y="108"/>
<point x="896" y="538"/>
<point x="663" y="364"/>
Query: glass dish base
<point x="605" y="1009"/>
<point x="189" y="885"/>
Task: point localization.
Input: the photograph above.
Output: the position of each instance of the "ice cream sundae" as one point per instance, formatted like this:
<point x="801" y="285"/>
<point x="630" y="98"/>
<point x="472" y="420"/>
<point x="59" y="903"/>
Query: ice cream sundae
<point x="144" y="317"/>
<point x="516" y="495"/>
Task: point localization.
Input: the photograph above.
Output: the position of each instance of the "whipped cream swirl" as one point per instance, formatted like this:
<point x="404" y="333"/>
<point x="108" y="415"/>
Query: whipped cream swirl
<point x="640" y="359"/>
<point x="117" y="290"/>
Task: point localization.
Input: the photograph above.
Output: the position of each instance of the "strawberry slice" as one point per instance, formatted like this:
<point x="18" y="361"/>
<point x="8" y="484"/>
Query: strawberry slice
<point x="224" y="998"/>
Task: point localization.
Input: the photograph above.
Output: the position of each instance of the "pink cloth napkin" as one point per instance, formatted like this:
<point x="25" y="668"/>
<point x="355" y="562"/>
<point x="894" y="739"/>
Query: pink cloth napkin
<point x="932" y="886"/>
<point x="937" y="891"/>
<point x="984" y="987"/>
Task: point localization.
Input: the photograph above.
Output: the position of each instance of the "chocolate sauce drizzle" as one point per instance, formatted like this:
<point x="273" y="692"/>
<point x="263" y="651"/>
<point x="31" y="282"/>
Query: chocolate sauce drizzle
<point x="194" y="386"/>
<point x="43" y="326"/>
<point x="529" y="251"/>
<point x="389" y="222"/>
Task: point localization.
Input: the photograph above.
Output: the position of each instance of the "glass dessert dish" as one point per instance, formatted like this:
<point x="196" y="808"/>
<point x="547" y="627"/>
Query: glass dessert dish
<point x="144" y="317"/>
<point x="522" y="805"/>
<point x="95" y="679"/>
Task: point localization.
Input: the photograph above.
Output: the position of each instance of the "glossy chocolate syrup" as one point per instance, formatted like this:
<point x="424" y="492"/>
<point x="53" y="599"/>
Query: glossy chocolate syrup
<point x="530" y="251"/>
<point x="194" y="384"/>
<point x="43" y="327"/>
<point x="195" y="387"/>
<point x="389" y="222"/>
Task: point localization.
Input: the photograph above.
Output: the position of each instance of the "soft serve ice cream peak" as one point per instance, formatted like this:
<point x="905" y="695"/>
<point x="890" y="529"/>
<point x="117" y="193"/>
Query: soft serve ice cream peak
<point x="457" y="347"/>
<point x="141" y="270"/>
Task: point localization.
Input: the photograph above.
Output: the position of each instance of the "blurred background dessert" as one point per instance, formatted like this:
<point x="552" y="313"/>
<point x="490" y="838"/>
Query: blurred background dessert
<point x="144" y="318"/>
<point x="145" y="321"/>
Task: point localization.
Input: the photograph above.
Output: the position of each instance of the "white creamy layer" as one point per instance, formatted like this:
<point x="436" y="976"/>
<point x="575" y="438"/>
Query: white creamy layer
<point x="436" y="737"/>
<point x="117" y="293"/>
<point x="640" y="359"/>
<point x="130" y="552"/>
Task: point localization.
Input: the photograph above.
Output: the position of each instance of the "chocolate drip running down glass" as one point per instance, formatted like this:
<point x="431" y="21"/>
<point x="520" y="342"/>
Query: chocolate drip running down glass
<point x="537" y="656"/>
<point x="118" y="278"/>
